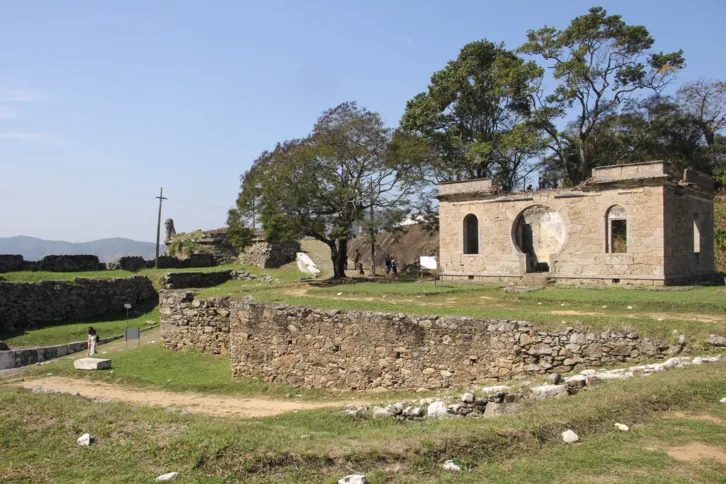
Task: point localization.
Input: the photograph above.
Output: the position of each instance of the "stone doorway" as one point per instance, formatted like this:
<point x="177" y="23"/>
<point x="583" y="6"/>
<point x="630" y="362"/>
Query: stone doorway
<point x="540" y="234"/>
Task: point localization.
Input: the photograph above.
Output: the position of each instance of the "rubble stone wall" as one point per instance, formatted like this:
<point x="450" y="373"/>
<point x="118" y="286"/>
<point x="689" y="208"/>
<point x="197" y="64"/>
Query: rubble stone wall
<point x="11" y="263"/>
<point x="131" y="263"/>
<point x="362" y="350"/>
<point x="52" y="263"/>
<point x="182" y="280"/>
<point x="22" y="304"/>
<point x="194" y="324"/>
<point x="267" y="254"/>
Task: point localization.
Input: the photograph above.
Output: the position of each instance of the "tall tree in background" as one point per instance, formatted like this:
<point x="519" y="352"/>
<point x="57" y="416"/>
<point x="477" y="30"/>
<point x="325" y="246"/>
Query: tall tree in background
<point x="598" y="61"/>
<point x="705" y="102"/>
<point x="324" y="185"/>
<point x="474" y="116"/>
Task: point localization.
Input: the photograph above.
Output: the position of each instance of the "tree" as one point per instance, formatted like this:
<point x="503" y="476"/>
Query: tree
<point x="239" y="235"/>
<point x="705" y="101"/>
<point x="474" y="116"/>
<point x="599" y="61"/>
<point x="325" y="184"/>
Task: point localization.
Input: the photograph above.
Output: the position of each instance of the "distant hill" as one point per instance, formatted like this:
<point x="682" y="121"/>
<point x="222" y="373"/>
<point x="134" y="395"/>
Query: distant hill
<point x="106" y="249"/>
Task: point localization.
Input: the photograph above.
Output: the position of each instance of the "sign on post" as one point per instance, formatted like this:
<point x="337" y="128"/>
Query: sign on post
<point x="428" y="262"/>
<point x="132" y="333"/>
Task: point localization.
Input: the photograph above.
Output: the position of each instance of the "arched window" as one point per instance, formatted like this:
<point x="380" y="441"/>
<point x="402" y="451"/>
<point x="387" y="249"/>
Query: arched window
<point x="616" y="226"/>
<point x="471" y="234"/>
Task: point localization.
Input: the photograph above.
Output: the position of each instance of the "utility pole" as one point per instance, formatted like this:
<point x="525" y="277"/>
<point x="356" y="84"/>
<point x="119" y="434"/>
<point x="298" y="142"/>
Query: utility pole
<point x="373" y="235"/>
<point x="158" y="227"/>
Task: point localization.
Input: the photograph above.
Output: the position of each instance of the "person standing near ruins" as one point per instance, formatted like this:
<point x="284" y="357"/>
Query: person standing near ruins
<point x="357" y="263"/>
<point x="388" y="265"/>
<point x="394" y="266"/>
<point x="92" y="341"/>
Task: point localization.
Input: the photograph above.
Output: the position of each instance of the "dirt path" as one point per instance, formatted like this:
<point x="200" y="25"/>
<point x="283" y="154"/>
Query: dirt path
<point x="217" y="405"/>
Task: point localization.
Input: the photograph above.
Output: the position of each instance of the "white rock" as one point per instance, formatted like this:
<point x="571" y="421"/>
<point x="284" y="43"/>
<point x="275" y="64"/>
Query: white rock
<point x="622" y="427"/>
<point x="305" y="264"/>
<point x="588" y="372"/>
<point x="353" y="479"/>
<point x="166" y="477"/>
<point x="570" y="437"/>
<point x="397" y="408"/>
<point x="576" y="379"/>
<point x="611" y="375"/>
<point x="438" y="410"/>
<point x="630" y="307"/>
<point x="467" y="397"/>
<point x="549" y="391"/>
<point x="92" y="364"/>
<point x="723" y="400"/>
<point x="340" y="294"/>
<point x="380" y="412"/>
<point x="450" y="466"/>
<point x="85" y="439"/>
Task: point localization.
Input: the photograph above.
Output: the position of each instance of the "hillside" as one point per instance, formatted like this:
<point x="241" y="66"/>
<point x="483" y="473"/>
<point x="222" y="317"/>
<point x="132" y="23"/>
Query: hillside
<point x="32" y="248"/>
<point x="407" y="247"/>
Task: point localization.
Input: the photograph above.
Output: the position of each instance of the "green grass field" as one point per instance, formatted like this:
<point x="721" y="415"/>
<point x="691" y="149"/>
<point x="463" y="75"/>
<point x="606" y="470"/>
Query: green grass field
<point x="136" y="443"/>
<point x="54" y="333"/>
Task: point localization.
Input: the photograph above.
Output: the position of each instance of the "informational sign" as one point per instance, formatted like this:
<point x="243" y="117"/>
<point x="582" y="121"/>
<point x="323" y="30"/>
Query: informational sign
<point x="127" y="306"/>
<point x="428" y="262"/>
<point x="132" y="333"/>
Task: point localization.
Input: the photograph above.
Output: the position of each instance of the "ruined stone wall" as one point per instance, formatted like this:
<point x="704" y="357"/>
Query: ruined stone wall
<point x="583" y="223"/>
<point x="127" y="263"/>
<point x="688" y="208"/>
<point x="22" y="304"/>
<point x="182" y="280"/>
<point x="193" y="324"/>
<point x="267" y="254"/>
<point x="193" y="260"/>
<point x="52" y="263"/>
<point x="11" y="263"/>
<point x="338" y="349"/>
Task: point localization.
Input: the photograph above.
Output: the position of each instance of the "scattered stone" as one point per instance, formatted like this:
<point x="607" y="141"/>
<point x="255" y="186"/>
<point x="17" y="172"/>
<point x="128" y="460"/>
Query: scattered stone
<point x="380" y="412"/>
<point x="498" y="409"/>
<point x="76" y="394"/>
<point x="92" y="364"/>
<point x="570" y="437"/>
<point x="622" y="427"/>
<point x="450" y="466"/>
<point x="85" y="439"/>
<point x="554" y="378"/>
<point x="467" y="398"/>
<point x="353" y="479"/>
<point x="548" y="391"/>
<point x="496" y="389"/>
<point x="723" y="400"/>
<point x="715" y="340"/>
<point x="166" y="477"/>
<point x="438" y="410"/>
<point x="40" y="389"/>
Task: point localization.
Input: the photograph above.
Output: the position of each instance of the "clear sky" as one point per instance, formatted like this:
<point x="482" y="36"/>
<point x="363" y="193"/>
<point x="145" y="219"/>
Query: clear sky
<point x="102" y="103"/>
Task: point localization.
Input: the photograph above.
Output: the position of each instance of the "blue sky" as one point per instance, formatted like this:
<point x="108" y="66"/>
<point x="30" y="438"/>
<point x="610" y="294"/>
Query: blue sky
<point x="101" y="103"/>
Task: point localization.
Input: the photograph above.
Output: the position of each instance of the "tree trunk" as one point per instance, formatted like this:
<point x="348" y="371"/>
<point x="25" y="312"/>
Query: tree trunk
<point x="342" y="258"/>
<point x="583" y="162"/>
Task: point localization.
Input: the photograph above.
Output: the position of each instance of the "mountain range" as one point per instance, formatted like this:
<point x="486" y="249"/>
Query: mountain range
<point x="107" y="250"/>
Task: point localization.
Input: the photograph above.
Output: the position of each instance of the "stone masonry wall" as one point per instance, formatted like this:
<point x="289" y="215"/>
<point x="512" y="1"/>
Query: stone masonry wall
<point x="131" y="263"/>
<point x="188" y="323"/>
<point x="51" y="263"/>
<point x="22" y="304"/>
<point x="361" y="350"/>
<point x="182" y="280"/>
<point x="266" y="254"/>
<point x="11" y="263"/>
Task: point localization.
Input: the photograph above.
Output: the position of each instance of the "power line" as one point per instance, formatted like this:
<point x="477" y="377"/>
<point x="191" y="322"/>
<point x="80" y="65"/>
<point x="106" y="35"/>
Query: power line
<point x="197" y="204"/>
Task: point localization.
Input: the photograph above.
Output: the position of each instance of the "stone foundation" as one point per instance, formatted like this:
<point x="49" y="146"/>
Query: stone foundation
<point x="128" y="263"/>
<point x="52" y="263"/>
<point x="362" y="350"/>
<point x="267" y="255"/>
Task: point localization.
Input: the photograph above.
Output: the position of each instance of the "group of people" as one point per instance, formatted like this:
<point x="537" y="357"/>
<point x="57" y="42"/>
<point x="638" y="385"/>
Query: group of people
<point x="391" y="264"/>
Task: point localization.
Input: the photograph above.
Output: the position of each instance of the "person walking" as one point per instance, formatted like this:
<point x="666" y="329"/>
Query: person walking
<point x="92" y="341"/>
<point x="357" y="263"/>
<point x="394" y="266"/>
<point x="388" y="265"/>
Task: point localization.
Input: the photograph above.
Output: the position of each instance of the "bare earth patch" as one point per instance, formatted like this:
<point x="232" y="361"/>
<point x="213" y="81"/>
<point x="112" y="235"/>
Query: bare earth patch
<point x="217" y="405"/>
<point x="702" y="417"/>
<point x="696" y="451"/>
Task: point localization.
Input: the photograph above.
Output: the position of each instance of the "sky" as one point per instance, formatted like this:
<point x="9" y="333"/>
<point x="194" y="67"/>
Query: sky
<point x="103" y="103"/>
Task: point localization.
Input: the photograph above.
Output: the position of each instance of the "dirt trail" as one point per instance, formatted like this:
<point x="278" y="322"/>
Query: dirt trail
<point x="217" y="405"/>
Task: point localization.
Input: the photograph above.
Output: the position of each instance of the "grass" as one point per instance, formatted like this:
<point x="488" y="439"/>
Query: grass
<point x="53" y="333"/>
<point x="135" y="444"/>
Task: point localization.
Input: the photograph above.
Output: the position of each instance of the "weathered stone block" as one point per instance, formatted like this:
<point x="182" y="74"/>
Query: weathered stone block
<point x="92" y="364"/>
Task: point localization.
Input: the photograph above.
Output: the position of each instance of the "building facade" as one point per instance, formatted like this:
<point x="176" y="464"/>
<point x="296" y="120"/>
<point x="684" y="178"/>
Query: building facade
<point x="629" y="224"/>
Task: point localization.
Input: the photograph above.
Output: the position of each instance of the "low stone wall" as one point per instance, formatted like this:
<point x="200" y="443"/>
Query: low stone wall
<point x="29" y="356"/>
<point x="267" y="255"/>
<point x="194" y="260"/>
<point x="11" y="263"/>
<point x="131" y="263"/>
<point x="22" y="304"/>
<point x="51" y="263"/>
<point x="193" y="324"/>
<point x="183" y="280"/>
<point x="362" y="350"/>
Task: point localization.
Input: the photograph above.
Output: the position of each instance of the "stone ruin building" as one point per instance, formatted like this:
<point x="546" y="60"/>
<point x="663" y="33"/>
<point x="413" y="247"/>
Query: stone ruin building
<point x="628" y="224"/>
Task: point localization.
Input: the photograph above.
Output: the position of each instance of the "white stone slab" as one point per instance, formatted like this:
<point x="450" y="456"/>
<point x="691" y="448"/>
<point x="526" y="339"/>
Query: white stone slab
<point x="92" y="364"/>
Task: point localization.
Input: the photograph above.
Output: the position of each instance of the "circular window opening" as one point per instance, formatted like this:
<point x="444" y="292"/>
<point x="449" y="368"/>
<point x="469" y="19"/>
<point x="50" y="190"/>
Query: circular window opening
<point x="540" y="234"/>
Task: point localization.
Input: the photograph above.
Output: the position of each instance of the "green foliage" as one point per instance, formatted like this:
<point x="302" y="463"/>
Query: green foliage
<point x="185" y="245"/>
<point x="475" y="114"/>
<point x="238" y="235"/>
<point x="323" y="185"/>
<point x="598" y="62"/>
